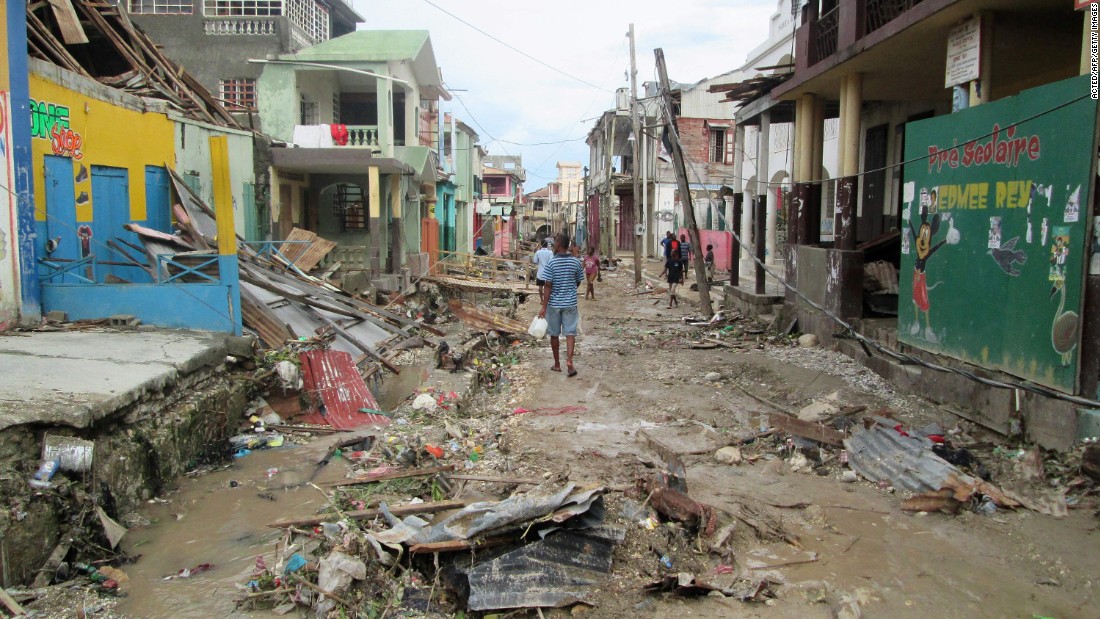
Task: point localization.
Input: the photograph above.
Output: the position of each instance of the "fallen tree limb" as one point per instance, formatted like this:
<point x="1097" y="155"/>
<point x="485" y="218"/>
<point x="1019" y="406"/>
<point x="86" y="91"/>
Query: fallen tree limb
<point x="498" y="480"/>
<point x="363" y="514"/>
<point x="461" y="544"/>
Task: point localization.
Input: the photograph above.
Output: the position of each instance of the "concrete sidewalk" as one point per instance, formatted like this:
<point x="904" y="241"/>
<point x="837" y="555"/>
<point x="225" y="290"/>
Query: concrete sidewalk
<point x="77" y="378"/>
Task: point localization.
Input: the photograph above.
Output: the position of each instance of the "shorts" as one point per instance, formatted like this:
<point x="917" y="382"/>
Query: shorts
<point x="540" y="282"/>
<point x="561" y="321"/>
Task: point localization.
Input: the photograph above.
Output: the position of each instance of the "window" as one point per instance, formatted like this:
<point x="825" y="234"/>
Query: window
<point x="241" y="8"/>
<point x="539" y="206"/>
<point x="309" y="115"/>
<point x="347" y="207"/>
<point x="238" y="94"/>
<point x="162" y="7"/>
<point x="310" y="16"/>
<point x="717" y="150"/>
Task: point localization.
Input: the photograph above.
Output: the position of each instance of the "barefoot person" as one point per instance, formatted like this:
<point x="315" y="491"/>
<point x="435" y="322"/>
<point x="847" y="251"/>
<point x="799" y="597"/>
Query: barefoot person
<point x="591" y="272"/>
<point x="559" y="306"/>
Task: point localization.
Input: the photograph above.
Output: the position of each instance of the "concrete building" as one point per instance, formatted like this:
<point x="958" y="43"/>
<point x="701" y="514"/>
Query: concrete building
<point x="962" y="172"/>
<point x="499" y="217"/>
<point x="467" y="179"/>
<point x="214" y="39"/>
<point x="358" y="163"/>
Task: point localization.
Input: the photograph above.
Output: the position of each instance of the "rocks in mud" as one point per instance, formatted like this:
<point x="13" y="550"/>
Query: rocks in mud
<point x="808" y="340"/>
<point x="712" y="377"/>
<point x="849" y="477"/>
<point x="424" y="402"/>
<point x="817" y="411"/>
<point x="728" y="455"/>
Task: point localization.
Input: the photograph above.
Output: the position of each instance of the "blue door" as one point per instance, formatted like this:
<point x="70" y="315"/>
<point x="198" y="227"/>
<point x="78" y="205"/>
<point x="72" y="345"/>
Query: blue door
<point x="111" y="201"/>
<point x="59" y="232"/>
<point x="158" y="205"/>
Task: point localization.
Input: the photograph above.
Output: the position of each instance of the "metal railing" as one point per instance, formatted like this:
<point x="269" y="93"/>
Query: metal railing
<point x="825" y="32"/>
<point x="878" y="13"/>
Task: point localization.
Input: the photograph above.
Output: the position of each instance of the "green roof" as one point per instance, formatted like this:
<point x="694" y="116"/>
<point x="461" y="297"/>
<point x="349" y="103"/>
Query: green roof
<point x="367" y="46"/>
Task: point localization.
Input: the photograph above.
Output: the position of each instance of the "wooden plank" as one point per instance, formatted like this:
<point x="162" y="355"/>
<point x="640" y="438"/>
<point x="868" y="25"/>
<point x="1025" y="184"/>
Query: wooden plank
<point x="499" y="480"/>
<point x="806" y="429"/>
<point x="367" y="350"/>
<point x="364" y="514"/>
<point x="395" y="475"/>
<point x="68" y="22"/>
<point x="10" y="603"/>
<point x="462" y="544"/>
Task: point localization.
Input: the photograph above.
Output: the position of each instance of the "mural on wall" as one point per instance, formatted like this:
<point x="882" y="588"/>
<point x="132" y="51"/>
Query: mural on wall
<point x="993" y="248"/>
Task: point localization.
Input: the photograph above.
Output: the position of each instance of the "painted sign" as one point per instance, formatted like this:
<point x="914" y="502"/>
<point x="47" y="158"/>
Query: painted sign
<point x="993" y="239"/>
<point x="50" y="121"/>
<point x="964" y="53"/>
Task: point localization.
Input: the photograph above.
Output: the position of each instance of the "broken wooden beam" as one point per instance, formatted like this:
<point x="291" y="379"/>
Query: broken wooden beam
<point x="364" y="514"/>
<point x="460" y="544"/>
<point x="498" y="480"/>
<point x="806" y="429"/>
<point x="395" y="475"/>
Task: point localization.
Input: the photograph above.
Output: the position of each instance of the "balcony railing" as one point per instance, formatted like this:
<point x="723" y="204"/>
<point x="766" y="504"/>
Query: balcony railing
<point x="825" y="32"/>
<point x="363" y="136"/>
<point x="878" y="13"/>
<point x="247" y="26"/>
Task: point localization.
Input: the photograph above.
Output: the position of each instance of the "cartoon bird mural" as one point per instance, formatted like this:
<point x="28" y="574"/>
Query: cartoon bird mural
<point x="1007" y="256"/>
<point x="1063" y="331"/>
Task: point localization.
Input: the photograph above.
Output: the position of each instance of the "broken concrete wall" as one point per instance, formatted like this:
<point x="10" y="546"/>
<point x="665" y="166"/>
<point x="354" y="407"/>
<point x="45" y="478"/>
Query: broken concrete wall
<point x="139" y="450"/>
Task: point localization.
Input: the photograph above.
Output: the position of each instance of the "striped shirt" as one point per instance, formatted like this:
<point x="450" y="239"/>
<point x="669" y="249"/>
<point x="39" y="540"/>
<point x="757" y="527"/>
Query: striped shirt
<point x="564" y="274"/>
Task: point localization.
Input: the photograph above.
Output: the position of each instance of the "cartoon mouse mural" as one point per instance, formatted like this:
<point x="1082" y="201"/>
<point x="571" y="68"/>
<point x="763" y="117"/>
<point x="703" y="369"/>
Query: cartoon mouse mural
<point x="923" y="236"/>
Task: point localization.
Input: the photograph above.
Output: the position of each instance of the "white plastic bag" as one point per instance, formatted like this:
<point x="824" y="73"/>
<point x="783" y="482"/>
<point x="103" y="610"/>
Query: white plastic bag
<point x="538" y="327"/>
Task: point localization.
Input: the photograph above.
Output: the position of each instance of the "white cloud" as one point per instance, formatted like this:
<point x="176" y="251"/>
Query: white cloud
<point x="514" y="98"/>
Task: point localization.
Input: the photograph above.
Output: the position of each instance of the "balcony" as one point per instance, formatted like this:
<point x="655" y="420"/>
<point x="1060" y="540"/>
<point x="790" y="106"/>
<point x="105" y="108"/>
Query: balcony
<point x="363" y="136"/>
<point x="878" y="13"/>
<point x="244" y="26"/>
<point x="826" y="31"/>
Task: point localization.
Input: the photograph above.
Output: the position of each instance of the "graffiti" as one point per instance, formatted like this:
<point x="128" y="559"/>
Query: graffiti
<point x="1006" y="152"/>
<point x="50" y="121"/>
<point x="84" y="233"/>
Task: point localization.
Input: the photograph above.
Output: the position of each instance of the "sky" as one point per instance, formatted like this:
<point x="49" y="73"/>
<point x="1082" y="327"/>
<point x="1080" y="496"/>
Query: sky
<point x="520" y="102"/>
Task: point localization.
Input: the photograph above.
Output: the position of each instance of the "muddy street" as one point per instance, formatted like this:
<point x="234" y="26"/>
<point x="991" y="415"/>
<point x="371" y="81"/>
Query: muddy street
<point x="785" y="520"/>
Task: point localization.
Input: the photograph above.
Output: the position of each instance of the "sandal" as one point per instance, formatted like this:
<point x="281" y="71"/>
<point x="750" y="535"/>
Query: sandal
<point x="572" y="372"/>
<point x="556" y="368"/>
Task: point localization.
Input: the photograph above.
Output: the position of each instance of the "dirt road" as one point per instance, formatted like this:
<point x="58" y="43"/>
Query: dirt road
<point x="860" y="553"/>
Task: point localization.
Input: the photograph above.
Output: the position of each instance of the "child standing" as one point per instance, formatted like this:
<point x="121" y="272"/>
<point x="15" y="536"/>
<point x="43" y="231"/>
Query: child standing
<point x="675" y="271"/>
<point x="591" y="272"/>
<point x="708" y="260"/>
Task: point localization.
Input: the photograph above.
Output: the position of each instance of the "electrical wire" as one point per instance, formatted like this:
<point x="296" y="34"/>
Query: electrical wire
<point x="516" y="49"/>
<point x="868" y="344"/>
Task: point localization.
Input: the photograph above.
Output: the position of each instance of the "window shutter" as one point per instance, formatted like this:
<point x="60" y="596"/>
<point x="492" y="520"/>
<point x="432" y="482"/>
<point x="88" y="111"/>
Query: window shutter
<point x="729" y="146"/>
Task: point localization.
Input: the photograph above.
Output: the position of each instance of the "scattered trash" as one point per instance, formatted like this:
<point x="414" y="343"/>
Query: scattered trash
<point x="192" y="571"/>
<point x="424" y="402"/>
<point x="46" y="470"/>
<point x="294" y="563"/>
<point x="71" y="453"/>
<point x="689" y="585"/>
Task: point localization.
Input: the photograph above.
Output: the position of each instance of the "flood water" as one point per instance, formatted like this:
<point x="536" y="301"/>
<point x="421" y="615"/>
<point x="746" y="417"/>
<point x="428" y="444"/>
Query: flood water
<point x="207" y="521"/>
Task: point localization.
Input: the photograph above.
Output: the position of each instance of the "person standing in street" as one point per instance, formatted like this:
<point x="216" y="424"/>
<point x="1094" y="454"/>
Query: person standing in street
<point x="559" y="306"/>
<point x="685" y="256"/>
<point x="708" y="261"/>
<point x="675" y="274"/>
<point x="542" y="259"/>
<point x="591" y="272"/>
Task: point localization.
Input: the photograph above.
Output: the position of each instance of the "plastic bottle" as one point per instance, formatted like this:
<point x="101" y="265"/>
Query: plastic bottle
<point x="91" y="571"/>
<point x="45" y="472"/>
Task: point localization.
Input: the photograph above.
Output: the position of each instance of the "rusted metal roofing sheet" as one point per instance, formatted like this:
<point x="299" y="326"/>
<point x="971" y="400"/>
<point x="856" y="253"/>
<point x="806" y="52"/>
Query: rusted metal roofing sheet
<point x="337" y="391"/>
<point x="306" y="255"/>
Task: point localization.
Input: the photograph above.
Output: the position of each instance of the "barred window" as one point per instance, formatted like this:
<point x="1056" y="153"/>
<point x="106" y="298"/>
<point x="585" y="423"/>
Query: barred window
<point x="238" y="94"/>
<point x="309" y="114"/>
<point x="162" y="7"/>
<point x="242" y="8"/>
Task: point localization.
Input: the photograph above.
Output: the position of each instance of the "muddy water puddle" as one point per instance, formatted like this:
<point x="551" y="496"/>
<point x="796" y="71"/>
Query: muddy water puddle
<point x="209" y="521"/>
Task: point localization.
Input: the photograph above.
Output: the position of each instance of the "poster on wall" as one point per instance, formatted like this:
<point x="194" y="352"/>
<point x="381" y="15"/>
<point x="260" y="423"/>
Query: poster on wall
<point x="994" y="252"/>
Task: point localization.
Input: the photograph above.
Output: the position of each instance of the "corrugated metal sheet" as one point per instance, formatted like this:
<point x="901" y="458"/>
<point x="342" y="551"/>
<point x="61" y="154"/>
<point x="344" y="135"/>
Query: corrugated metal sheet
<point x="329" y="376"/>
<point x="306" y="255"/>
<point x="904" y="461"/>
<point x="549" y="573"/>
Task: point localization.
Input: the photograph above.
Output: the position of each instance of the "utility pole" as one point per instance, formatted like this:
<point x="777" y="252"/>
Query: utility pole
<point x="682" y="183"/>
<point x="636" y="127"/>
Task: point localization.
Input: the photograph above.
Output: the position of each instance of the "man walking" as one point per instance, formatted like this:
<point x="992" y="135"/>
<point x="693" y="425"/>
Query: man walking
<point x="542" y="259"/>
<point x="559" y="304"/>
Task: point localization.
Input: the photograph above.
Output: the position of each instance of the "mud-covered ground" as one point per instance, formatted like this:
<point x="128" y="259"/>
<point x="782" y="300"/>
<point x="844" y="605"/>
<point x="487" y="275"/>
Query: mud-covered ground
<point x="825" y="548"/>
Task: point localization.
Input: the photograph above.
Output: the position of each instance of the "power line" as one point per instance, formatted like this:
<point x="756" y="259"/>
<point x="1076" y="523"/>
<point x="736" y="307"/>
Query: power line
<point x="867" y="343"/>
<point x="516" y="49"/>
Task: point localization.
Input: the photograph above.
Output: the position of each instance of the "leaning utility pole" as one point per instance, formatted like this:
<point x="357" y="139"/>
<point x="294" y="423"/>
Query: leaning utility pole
<point x="636" y="128"/>
<point x="682" y="183"/>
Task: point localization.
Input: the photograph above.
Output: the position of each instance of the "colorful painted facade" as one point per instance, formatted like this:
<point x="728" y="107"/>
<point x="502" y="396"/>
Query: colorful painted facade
<point x="89" y="178"/>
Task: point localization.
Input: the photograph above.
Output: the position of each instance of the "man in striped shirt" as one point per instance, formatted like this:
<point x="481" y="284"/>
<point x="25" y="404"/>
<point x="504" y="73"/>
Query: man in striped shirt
<point x="559" y="305"/>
